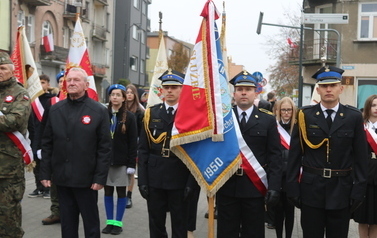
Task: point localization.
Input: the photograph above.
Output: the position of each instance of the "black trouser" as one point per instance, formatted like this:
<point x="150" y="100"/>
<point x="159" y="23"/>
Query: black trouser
<point x="316" y="221"/>
<point x="284" y="214"/>
<point x="240" y="217"/>
<point x="76" y="201"/>
<point x="160" y="201"/>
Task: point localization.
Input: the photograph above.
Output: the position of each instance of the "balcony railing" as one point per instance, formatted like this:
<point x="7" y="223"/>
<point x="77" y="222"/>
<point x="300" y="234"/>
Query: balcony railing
<point x="314" y="51"/>
<point x="99" y="32"/>
<point x="99" y="70"/>
<point x="59" y="54"/>
<point x="38" y="2"/>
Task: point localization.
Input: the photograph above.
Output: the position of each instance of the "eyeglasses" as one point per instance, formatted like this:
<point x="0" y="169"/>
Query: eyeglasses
<point x="286" y="110"/>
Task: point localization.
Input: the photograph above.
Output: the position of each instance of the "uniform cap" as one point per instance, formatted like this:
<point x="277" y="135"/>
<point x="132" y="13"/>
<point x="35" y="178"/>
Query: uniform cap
<point x="244" y="78"/>
<point x="116" y="86"/>
<point x="172" y="77"/>
<point x="59" y="75"/>
<point x="328" y="75"/>
<point x="5" y="59"/>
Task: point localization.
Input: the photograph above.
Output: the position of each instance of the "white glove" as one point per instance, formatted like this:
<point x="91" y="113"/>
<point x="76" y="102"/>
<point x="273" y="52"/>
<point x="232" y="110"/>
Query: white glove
<point x="39" y="154"/>
<point x="130" y="171"/>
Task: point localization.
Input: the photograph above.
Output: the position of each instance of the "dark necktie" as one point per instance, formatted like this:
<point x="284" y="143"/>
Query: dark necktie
<point x="328" y="118"/>
<point x="375" y="131"/>
<point x="113" y="124"/>
<point x="243" y="120"/>
<point x="170" y="113"/>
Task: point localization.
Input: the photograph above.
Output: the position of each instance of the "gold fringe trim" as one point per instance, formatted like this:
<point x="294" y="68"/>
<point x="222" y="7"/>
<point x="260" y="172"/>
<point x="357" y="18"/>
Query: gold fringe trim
<point x="31" y="166"/>
<point x="177" y="140"/>
<point x="219" y="181"/>
<point x="218" y="137"/>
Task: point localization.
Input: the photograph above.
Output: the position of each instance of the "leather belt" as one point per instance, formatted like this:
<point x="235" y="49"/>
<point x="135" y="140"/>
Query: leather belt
<point x="163" y="153"/>
<point x="240" y="170"/>
<point x="328" y="173"/>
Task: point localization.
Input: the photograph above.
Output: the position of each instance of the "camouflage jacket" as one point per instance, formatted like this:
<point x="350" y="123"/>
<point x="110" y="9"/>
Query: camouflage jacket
<point x="15" y="107"/>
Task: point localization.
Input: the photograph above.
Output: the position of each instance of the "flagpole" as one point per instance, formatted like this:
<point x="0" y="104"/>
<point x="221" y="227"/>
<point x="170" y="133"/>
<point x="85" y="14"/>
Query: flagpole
<point x="211" y="217"/>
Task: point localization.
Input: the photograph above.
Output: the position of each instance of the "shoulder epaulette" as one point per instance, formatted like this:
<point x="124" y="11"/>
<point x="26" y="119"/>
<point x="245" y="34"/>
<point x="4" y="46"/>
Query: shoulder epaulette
<point x="352" y="107"/>
<point x="156" y="105"/>
<point x="266" y="111"/>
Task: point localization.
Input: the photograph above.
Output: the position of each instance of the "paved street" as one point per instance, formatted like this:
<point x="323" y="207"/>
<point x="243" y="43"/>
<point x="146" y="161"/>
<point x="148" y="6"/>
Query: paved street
<point x="135" y="220"/>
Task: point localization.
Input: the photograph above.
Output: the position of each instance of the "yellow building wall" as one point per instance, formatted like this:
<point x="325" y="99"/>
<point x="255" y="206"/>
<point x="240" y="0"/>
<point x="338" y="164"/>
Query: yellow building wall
<point x="5" y="25"/>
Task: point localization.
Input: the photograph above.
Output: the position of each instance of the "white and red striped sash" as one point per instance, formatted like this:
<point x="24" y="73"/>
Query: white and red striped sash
<point x="38" y="108"/>
<point x="253" y="169"/>
<point x="371" y="138"/>
<point x="285" y="138"/>
<point x="22" y="144"/>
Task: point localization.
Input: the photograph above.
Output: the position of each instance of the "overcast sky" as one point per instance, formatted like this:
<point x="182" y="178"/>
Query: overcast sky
<point x="182" y="20"/>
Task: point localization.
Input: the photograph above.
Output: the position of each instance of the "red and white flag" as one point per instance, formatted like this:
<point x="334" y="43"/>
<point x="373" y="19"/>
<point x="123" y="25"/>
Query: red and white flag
<point x="48" y="42"/>
<point x="25" y="69"/>
<point x="78" y="57"/>
<point x="155" y="90"/>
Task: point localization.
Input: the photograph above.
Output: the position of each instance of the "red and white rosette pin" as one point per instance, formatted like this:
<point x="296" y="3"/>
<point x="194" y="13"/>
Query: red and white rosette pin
<point x="9" y="98"/>
<point x="86" y="120"/>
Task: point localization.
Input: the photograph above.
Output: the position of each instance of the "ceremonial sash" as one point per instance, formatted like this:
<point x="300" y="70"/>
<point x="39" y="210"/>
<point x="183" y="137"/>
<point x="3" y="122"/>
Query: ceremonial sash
<point x="285" y="138"/>
<point x="38" y="108"/>
<point x="250" y="164"/>
<point x="371" y="138"/>
<point x="22" y="144"/>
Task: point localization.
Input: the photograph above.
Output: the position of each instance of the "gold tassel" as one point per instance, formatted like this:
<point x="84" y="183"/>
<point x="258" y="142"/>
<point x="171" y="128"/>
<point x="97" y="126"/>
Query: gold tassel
<point x="302" y="126"/>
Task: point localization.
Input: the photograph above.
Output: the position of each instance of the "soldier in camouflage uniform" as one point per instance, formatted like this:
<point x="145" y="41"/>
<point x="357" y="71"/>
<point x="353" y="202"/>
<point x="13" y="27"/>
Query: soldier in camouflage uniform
<point x="15" y="111"/>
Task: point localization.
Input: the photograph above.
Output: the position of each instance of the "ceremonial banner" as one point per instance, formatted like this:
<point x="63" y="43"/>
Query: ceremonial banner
<point x="315" y="96"/>
<point x="203" y="134"/>
<point x="155" y="90"/>
<point x="78" y="57"/>
<point x="24" y="65"/>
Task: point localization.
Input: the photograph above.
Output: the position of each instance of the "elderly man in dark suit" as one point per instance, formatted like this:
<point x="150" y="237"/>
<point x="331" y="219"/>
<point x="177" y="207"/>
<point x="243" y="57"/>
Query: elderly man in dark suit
<point x="329" y="144"/>
<point x="241" y="202"/>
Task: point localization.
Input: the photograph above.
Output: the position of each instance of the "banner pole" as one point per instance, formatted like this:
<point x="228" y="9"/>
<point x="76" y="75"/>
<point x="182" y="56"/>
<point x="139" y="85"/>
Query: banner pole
<point x="211" y="233"/>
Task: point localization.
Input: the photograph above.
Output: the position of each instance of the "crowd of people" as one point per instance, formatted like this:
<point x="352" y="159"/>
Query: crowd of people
<point x="320" y="159"/>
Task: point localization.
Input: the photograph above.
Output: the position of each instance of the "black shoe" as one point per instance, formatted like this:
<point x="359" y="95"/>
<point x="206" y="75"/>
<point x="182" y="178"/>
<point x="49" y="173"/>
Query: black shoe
<point x="116" y="230"/>
<point x="35" y="193"/>
<point x="270" y="226"/>
<point x="129" y="203"/>
<point x="52" y="219"/>
<point x="108" y="229"/>
<point x="46" y="195"/>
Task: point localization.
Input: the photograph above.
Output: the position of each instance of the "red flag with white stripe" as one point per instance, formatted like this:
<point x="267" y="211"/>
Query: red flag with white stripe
<point x="78" y="57"/>
<point x="48" y="43"/>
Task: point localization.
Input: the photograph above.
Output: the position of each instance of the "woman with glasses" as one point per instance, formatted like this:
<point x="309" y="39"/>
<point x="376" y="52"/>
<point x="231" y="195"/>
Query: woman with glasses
<point x="285" y="111"/>
<point x="366" y="214"/>
<point x="123" y="161"/>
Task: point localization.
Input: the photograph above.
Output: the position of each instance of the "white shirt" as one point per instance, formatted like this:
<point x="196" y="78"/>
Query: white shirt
<point x="335" y="109"/>
<point x="248" y="113"/>
<point x="174" y="108"/>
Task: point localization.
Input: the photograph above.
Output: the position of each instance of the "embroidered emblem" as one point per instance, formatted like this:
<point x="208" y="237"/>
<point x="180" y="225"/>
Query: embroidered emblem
<point x="9" y="98"/>
<point x="86" y="120"/>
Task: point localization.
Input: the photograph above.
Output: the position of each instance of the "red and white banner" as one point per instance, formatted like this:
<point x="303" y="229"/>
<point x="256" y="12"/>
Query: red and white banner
<point x="78" y="57"/>
<point x="22" y="144"/>
<point x="155" y="90"/>
<point x="25" y="69"/>
<point x="48" y="43"/>
<point x="371" y="138"/>
<point x="285" y="138"/>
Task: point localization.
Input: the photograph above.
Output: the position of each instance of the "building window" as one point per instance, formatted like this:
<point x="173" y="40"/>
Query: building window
<point x="46" y="30"/>
<point x="136" y="4"/>
<point x="144" y="8"/>
<point x="135" y="32"/>
<point x="142" y="37"/>
<point x="367" y="21"/>
<point x="133" y="63"/>
<point x="29" y="28"/>
<point x="66" y="37"/>
<point x="20" y="18"/>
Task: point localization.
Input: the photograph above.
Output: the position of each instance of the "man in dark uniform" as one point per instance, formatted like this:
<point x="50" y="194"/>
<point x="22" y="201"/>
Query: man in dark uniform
<point x="329" y="144"/>
<point x="164" y="181"/>
<point x="240" y="204"/>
